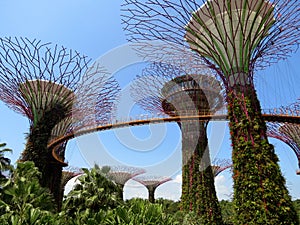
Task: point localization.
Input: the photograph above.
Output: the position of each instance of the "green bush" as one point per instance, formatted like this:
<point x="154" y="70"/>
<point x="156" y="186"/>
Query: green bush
<point x="139" y="211"/>
<point x="94" y="192"/>
<point x="23" y="200"/>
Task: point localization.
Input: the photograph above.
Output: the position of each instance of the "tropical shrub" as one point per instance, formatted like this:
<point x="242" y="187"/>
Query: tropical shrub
<point x="140" y="211"/>
<point x="94" y="192"/>
<point x="5" y="165"/>
<point x="169" y="206"/>
<point x="23" y="200"/>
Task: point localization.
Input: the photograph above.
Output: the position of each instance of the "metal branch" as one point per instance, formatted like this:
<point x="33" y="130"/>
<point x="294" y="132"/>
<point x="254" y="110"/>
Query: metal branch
<point x="151" y="181"/>
<point x="288" y="133"/>
<point x="121" y="174"/>
<point x="147" y="88"/>
<point x="36" y="76"/>
<point x="171" y="22"/>
<point x="220" y="165"/>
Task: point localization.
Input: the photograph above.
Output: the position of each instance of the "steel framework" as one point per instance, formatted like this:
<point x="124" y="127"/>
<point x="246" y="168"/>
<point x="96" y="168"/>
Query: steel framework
<point x="169" y="21"/>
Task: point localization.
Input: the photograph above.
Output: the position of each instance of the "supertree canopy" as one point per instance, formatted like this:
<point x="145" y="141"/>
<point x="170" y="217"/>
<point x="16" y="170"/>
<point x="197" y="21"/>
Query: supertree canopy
<point x="220" y="165"/>
<point x="287" y="132"/>
<point x="234" y="38"/>
<point x="54" y="88"/>
<point x="151" y="183"/>
<point x="176" y="91"/>
<point x="121" y="174"/>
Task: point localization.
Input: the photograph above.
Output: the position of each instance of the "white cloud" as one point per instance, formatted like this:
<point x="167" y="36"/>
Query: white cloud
<point x="170" y="190"/>
<point x="223" y="187"/>
<point x="71" y="183"/>
<point x="178" y="179"/>
<point x="134" y="189"/>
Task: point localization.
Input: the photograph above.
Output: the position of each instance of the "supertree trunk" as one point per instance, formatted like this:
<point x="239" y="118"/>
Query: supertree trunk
<point x="151" y="192"/>
<point x="259" y="187"/>
<point x="181" y="91"/>
<point x="36" y="150"/>
<point x="198" y="190"/>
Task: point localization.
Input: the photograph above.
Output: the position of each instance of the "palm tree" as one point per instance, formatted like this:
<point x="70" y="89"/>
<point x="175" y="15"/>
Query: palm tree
<point x="4" y="162"/>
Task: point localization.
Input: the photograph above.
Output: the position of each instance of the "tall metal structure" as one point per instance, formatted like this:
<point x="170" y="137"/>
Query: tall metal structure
<point x="151" y="183"/>
<point x="176" y="91"/>
<point x="234" y="38"/>
<point x="121" y="174"/>
<point x="58" y="93"/>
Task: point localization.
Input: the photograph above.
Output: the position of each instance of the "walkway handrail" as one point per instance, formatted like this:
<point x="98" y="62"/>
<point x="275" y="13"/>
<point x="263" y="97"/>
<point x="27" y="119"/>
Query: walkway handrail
<point x="119" y="124"/>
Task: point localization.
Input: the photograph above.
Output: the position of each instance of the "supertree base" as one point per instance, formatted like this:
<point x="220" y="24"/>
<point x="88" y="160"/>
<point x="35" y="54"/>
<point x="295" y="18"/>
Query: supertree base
<point x="260" y="193"/>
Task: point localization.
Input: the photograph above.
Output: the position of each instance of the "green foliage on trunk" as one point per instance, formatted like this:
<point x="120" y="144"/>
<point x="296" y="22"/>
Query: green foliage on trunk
<point x="297" y="207"/>
<point x="36" y="150"/>
<point x="260" y="194"/>
<point x="198" y="189"/>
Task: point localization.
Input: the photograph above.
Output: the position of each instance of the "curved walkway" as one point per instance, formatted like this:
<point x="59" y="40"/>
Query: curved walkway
<point x="274" y="115"/>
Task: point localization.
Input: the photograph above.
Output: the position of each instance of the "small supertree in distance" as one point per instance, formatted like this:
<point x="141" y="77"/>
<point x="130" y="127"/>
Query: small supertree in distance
<point x="220" y="165"/>
<point x="67" y="174"/>
<point x="121" y="174"/>
<point x="54" y="88"/>
<point x="287" y="132"/>
<point x="185" y="91"/>
<point x="234" y="38"/>
<point x="151" y="183"/>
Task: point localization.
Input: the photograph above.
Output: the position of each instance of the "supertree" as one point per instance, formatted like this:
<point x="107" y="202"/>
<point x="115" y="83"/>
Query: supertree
<point x="121" y="174"/>
<point x="220" y="165"/>
<point x="287" y="132"/>
<point x="234" y="38"/>
<point x="185" y="91"/>
<point x="67" y="174"/>
<point x="151" y="183"/>
<point x="54" y="88"/>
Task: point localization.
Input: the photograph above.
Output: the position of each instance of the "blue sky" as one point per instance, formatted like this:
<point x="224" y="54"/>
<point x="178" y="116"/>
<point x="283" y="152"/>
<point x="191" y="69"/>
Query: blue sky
<point x="94" y="28"/>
